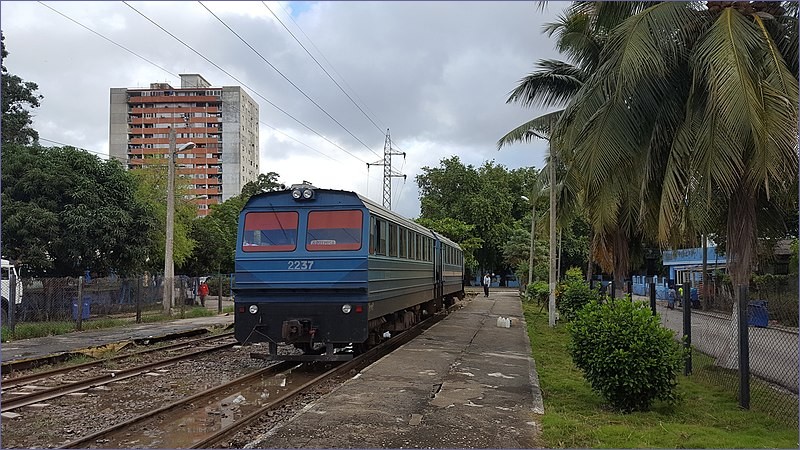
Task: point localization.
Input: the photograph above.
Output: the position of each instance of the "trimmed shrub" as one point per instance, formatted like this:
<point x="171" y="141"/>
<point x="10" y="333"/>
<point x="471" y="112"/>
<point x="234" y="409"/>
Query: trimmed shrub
<point x="625" y="354"/>
<point x="572" y="296"/>
<point x="538" y="291"/>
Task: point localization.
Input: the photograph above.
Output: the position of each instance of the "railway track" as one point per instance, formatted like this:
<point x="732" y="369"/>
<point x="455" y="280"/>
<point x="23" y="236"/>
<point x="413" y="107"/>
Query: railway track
<point x="208" y="418"/>
<point x="13" y="400"/>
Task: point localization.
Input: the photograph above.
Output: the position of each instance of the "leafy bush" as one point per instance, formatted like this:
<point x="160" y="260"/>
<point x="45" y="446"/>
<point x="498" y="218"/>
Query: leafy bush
<point x="538" y="290"/>
<point x="573" y="274"/>
<point x="573" y="294"/>
<point x="625" y="354"/>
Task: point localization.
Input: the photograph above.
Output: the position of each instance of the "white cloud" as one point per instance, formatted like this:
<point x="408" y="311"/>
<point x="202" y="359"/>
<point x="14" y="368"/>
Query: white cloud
<point x="436" y="73"/>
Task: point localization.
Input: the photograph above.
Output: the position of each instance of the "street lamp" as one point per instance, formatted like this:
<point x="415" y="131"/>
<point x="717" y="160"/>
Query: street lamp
<point x="169" y="265"/>
<point x="533" y="227"/>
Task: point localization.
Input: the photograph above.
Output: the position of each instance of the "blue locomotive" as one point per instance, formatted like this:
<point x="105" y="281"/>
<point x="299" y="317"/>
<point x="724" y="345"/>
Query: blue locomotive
<point x="331" y="272"/>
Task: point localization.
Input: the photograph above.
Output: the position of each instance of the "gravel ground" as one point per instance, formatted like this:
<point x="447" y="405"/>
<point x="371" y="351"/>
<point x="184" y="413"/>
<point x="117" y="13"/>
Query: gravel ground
<point x="68" y="418"/>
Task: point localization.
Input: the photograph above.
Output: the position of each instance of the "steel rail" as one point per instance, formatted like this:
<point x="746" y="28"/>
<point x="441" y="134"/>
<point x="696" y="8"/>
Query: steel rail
<point x="85" y="440"/>
<point x="100" y="380"/>
<point x="24" y="379"/>
<point x="363" y="359"/>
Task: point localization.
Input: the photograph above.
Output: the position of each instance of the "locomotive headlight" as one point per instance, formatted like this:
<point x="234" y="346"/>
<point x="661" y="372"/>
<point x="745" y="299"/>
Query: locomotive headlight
<point x="253" y="309"/>
<point x="346" y="309"/>
<point x="296" y="194"/>
<point x="308" y="193"/>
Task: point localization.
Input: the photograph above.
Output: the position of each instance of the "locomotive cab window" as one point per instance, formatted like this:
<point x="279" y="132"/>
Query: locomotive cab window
<point x="334" y="230"/>
<point x="270" y="232"/>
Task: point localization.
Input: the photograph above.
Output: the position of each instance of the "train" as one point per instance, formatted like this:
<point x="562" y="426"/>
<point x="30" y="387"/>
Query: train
<point x="331" y="273"/>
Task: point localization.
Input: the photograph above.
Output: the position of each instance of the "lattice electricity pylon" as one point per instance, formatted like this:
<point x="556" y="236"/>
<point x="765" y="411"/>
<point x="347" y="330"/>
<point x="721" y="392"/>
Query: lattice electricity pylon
<point x="388" y="173"/>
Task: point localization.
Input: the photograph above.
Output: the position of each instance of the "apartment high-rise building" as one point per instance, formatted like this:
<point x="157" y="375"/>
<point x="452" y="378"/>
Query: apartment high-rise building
<point x="221" y="121"/>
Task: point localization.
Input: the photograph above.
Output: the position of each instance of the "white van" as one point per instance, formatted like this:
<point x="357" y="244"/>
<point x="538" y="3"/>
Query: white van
<point x="5" y="286"/>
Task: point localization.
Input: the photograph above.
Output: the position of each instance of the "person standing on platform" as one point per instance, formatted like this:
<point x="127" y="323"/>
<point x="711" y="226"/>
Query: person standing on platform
<point x="202" y="291"/>
<point x="487" y="280"/>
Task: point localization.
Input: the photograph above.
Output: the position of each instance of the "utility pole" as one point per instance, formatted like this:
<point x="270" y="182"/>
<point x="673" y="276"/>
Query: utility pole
<point x="169" y="265"/>
<point x="533" y="241"/>
<point x="388" y="173"/>
<point x="552" y="303"/>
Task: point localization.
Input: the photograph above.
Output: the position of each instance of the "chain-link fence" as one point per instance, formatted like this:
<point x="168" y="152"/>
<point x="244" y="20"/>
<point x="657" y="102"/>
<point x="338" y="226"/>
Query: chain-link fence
<point x="137" y="299"/>
<point x="770" y="317"/>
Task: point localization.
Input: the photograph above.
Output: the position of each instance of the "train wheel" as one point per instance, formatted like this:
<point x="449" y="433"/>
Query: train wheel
<point x="360" y="348"/>
<point x="305" y="347"/>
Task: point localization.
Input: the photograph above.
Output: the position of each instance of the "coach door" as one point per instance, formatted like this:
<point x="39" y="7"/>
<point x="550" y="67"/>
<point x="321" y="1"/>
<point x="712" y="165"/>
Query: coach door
<point x="438" y="268"/>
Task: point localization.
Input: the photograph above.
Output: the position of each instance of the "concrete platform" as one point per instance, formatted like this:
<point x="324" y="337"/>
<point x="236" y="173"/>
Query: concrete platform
<point x="24" y="350"/>
<point x="464" y="383"/>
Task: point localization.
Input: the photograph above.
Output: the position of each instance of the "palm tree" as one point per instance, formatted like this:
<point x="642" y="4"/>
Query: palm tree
<point x="698" y="99"/>
<point x="582" y="32"/>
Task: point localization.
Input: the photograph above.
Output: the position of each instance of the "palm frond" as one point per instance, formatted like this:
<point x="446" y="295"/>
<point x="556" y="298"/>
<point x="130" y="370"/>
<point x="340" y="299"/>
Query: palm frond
<point x="554" y="84"/>
<point x="537" y="128"/>
<point x="576" y="38"/>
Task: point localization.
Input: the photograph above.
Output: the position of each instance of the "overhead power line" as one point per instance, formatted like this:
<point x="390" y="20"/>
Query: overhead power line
<point x="380" y="129"/>
<point x="286" y="78"/>
<point x="118" y="158"/>
<point x="242" y="83"/>
<point x="330" y="64"/>
<point x="178" y="76"/>
<point x="320" y="65"/>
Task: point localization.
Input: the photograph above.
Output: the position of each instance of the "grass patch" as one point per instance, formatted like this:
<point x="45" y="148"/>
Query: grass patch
<point x="576" y="417"/>
<point x="28" y="330"/>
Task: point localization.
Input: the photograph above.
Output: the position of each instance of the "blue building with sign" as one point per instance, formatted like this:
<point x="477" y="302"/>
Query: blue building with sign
<point x="685" y="265"/>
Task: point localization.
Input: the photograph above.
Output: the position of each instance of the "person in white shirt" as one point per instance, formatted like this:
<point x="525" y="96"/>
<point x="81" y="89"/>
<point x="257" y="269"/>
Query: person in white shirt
<point x="487" y="280"/>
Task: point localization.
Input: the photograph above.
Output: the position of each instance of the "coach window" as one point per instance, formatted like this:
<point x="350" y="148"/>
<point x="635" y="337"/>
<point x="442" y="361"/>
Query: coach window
<point x="334" y="230"/>
<point x="270" y="232"/>
<point x="372" y="235"/>
<point x="403" y="243"/>
<point x="393" y="240"/>
<point x="429" y="248"/>
<point x="380" y="232"/>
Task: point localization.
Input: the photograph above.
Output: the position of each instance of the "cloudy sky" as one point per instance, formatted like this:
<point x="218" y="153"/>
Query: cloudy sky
<point x="436" y="74"/>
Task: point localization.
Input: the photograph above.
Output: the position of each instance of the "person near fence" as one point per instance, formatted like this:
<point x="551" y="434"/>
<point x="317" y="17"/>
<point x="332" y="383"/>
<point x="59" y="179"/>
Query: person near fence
<point x="202" y="291"/>
<point x="671" y="297"/>
<point x="487" y="280"/>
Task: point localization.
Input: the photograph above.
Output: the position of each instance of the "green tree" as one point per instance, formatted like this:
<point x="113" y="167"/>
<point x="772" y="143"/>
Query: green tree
<point x="265" y="183"/>
<point x="66" y="211"/>
<point x="18" y="97"/>
<point x="151" y="190"/>
<point x="215" y="234"/>
<point x="581" y="33"/>
<point x="486" y="197"/>
<point x="516" y="252"/>
<point x="700" y="100"/>
<point x="459" y="232"/>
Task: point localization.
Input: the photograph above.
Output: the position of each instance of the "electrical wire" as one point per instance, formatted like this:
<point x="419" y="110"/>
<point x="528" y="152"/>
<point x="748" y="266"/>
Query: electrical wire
<point x="242" y="83"/>
<point x="118" y="158"/>
<point x="178" y="76"/>
<point x="286" y="78"/>
<point x="381" y="128"/>
<point x="320" y="66"/>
